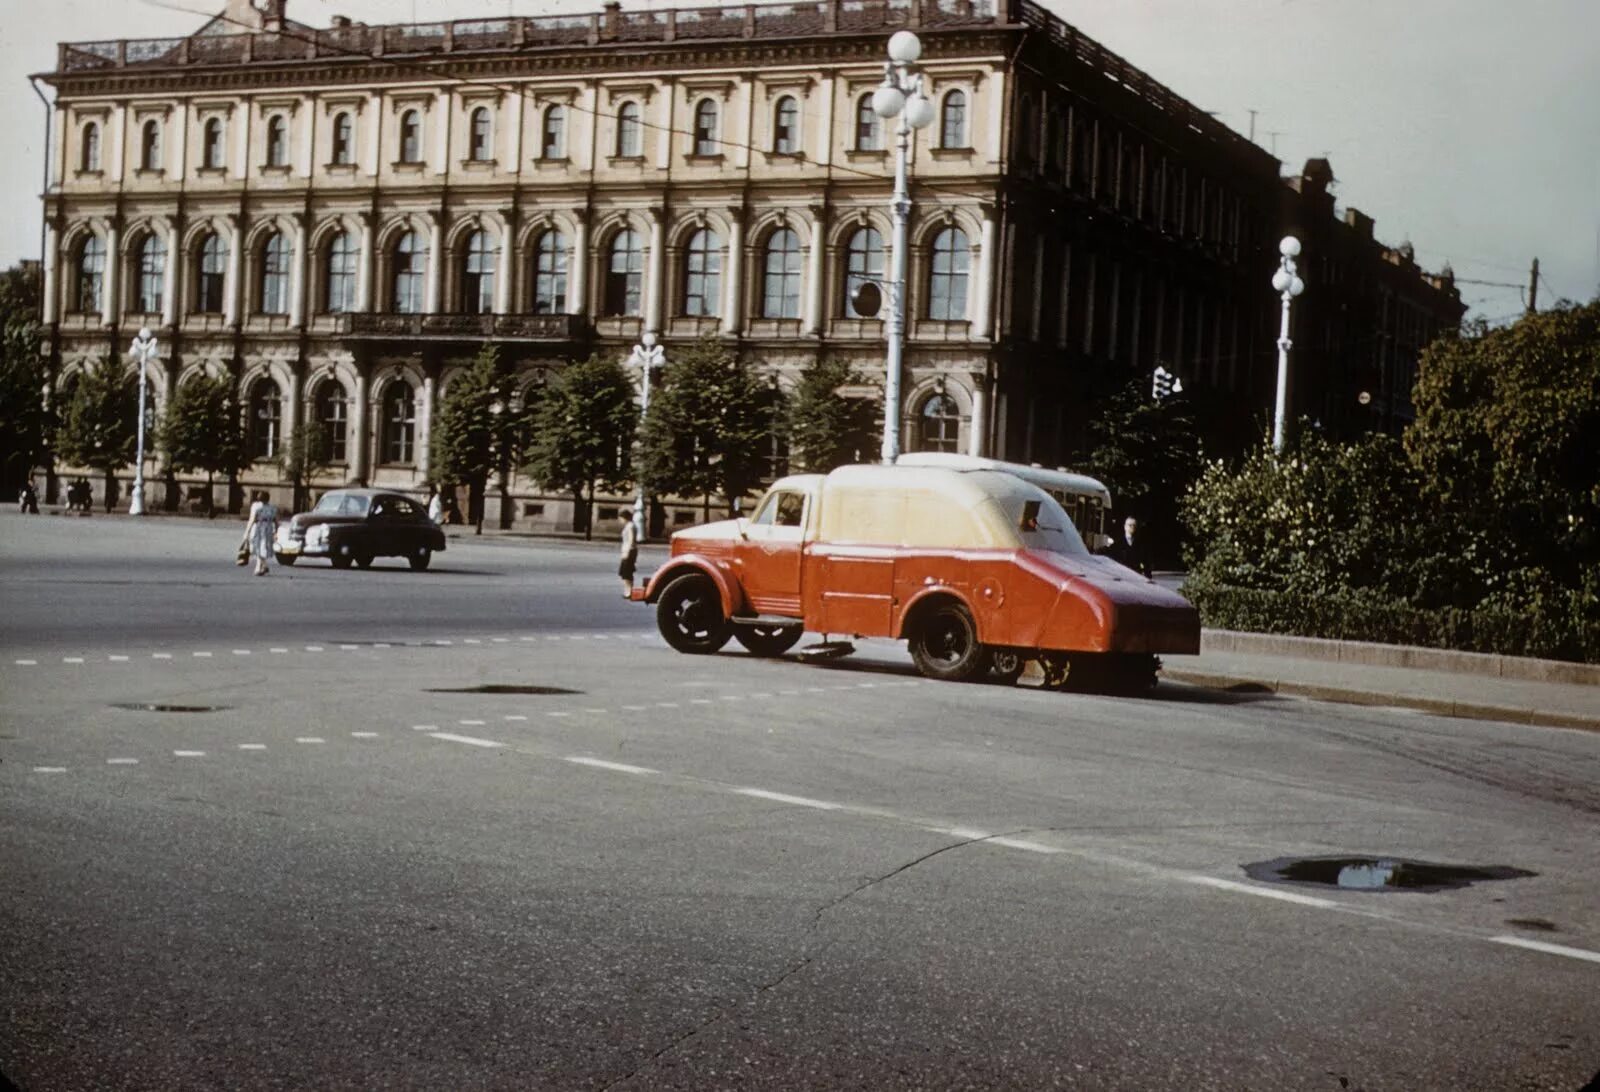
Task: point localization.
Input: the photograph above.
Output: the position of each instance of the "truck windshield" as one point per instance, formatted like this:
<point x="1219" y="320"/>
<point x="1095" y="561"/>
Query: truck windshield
<point x="1043" y="525"/>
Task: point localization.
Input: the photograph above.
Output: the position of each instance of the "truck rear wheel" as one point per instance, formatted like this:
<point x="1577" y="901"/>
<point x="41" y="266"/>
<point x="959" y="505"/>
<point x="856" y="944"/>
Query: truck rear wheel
<point x="689" y="615"/>
<point x="944" y="644"/>
<point x="767" y="640"/>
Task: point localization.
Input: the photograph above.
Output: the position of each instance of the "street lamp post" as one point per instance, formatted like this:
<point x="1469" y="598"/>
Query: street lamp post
<point x="647" y="356"/>
<point x="1288" y="284"/>
<point x="144" y="346"/>
<point x="899" y="96"/>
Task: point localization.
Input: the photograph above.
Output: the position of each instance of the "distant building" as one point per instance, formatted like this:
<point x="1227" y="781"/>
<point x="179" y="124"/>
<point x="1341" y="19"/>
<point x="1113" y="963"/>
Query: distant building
<point x="339" y="218"/>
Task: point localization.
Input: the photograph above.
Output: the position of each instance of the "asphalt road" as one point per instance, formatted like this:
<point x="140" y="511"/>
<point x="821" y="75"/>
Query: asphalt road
<point x="356" y="869"/>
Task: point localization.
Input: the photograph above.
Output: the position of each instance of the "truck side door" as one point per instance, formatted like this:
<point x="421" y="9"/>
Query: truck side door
<point x="769" y="556"/>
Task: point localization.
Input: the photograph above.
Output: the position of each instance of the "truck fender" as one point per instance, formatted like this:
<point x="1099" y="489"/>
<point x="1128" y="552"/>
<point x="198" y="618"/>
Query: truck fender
<point x="932" y="591"/>
<point x="727" y="587"/>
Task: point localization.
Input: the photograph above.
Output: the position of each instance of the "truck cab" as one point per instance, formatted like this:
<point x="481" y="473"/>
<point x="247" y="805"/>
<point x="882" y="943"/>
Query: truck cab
<point x="973" y="567"/>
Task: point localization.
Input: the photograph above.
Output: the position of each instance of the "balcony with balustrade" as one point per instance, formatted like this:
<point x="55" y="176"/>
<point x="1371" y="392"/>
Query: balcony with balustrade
<point x="457" y="327"/>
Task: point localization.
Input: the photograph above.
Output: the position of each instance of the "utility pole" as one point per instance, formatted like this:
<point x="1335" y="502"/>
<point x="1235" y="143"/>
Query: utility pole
<point x="1533" y="287"/>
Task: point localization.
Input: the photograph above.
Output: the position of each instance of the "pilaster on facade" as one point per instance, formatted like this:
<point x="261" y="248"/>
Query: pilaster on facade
<point x="656" y="263"/>
<point x="733" y="279"/>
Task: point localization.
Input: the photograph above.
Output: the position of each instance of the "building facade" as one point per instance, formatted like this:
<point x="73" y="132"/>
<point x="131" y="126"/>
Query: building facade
<point x="339" y="218"/>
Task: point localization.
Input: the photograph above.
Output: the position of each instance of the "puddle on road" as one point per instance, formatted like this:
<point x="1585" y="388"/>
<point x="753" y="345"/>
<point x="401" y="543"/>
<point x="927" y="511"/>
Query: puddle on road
<point x="160" y="707"/>
<point x="1379" y="873"/>
<point x="501" y="688"/>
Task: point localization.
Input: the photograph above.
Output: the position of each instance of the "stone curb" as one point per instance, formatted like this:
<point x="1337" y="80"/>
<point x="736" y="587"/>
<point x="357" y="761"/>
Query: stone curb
<point x="1372" y="654"/>
<point x="1438" y="706"/>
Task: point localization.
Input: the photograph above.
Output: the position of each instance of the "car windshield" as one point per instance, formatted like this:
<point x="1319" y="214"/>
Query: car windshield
<point x="1043" y="525"/>
<point x="342" y="504"/>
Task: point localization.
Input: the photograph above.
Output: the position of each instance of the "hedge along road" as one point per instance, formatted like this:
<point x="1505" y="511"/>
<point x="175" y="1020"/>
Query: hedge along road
<point x="92" y="583"/>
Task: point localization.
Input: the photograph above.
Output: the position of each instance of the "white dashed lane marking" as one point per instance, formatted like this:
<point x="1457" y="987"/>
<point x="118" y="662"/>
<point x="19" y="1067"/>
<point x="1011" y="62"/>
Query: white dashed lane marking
<point x="364" y="735"/>
<point x="27" y="663"/>
<point x="1549" y="949"/>
<point x="470" y="723"/>
<point x="118" y="659"/>
<point x="122" y="762"/>
<point x="602" y="764"/>
<point x="515" y="716"/>
<point x="72" y="659"/>
<point x="241" y="652"/>
<point x="277" y="651"/>
<point x="1260" y="892"/>
<point x="785" y="798"/>
<point x="161" y="655"/>
<point x="49" y="769"/>
<point x="470" y="740"/>
<point x="424" y="727"/>
<point x="202" y="655"/>
<point x="252" y="746"/>
<point x="189" y="754"/>
<point x="309" y="739"/>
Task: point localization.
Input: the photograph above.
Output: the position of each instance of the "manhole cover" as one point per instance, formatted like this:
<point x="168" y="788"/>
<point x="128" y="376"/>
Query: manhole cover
<point x="162" y="707"/>
<point x="1378" y="873"/>
<point x="501" y="688"/>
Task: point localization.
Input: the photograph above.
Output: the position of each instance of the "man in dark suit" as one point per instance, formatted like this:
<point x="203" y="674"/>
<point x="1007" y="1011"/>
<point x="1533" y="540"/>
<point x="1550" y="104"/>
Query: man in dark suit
<point x="1129" y="549"/>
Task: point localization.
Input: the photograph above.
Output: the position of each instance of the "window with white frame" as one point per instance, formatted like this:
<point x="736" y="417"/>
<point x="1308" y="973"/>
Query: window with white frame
<point x="550" y="274"/>
<point x="339" y="283"/>
<point x="478" y="135"/>
<point x="863" y="263"/>
<point x="477" y="275"/>
<point x="211" y="155"/>
<point x="869" y="127"/>
<point x="277" y="141"/>
<point x="702" y="274"/>
<point x="344" y="150"/>
<point x="705" y="128"/>
<point x="624" y="291"/>
<point x="274" y="296"/>
<point x="150" y="282"/>
<point x="630" y="131"/>
<point x="780" y="278"/>
<point x="91" y="275"/>
<point x="786" y="126"/>
<point x="947" y="276"/>
<point x="411" y="137"/>
<point x="553" y="144"/>
<point x="953" y="120"/>
<point x="409" y="263"/>
<point x="89" y="155"/>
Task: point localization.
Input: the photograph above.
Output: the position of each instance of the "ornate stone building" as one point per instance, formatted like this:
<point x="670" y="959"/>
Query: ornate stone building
<point x="340" y="217"/>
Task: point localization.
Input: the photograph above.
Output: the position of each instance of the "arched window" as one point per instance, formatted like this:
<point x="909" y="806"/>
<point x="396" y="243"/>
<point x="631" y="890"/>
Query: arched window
<point x="630" y="143"/>
<point x="212" y="276"/>
<point x="550" y="274"/>
<point x="953" y="121"/>
<point x="780" y="281"/>
<point x="705" y="128"/>
<point x="152" y="275"/>
<point x="947" y="276"/>
<point x="410" y="137"/>
<point x="478" y="135"/>
<point x="863" y="262"/>
<point x="938" y="424"/>
<point x="869" y="127"/>
<point x="343" y="139"/>
<point x="91" y="275"/>
<point x="339" y="282"/>
<point x="702" y="274"/>
<point x="274" y="298"/>
<point x="624" y="274"/>
<point x="477" y="275"/>
<point x="150" y="146"/>
<point x="89" y="159"/>
<point x="410" y="261"/>
<point x="554" y="143"/>
<point x="399" y="423"/>
<point x="266" y="419"/>
<point x="277" y="141"/>
<point x="332" y="410"/>
<point x="211" y="144"/>
<point x="786" y="126"/>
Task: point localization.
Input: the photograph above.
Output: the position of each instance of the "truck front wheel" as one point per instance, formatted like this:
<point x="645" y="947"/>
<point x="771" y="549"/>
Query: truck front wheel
<point x="689" y="615"/>
<point x="944" y="644"/>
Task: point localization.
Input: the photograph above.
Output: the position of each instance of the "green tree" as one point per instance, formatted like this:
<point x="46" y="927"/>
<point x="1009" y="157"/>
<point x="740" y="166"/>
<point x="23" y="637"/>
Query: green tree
<point x="479" y="430"/>
<point x="99" y="427"/>
<point x="709" y="427"/>
<point x="303" y="456"/>
<point x="25" y="424"/>
<point x="1504" y="439"/>
<point x="825" y="428"/>
<point x="583" y="435"/>
<point x="1147" y="452"/>
<point x="203" y="430"/>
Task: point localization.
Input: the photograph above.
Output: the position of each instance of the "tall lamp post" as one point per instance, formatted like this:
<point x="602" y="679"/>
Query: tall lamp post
<point x="144" y="347"/>
<point x="1288" y="284"/>
<point x="899" y="96"/>
<point x="647" y="356"/>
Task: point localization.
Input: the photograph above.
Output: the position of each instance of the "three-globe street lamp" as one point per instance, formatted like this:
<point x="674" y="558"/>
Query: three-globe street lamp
<point x="144" y="347"/>
<point x="647" y="356"/>
<point x="1286" y="281"/>
<point x="900" y="96"/>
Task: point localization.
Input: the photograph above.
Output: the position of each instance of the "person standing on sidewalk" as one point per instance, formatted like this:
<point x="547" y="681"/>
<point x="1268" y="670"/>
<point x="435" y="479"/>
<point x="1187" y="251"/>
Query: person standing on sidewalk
<point x="436" y="507"/>
<point x="629" y="553"/>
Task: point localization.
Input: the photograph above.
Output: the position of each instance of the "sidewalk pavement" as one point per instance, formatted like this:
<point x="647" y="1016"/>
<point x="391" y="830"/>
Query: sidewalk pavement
<point x="1456" y="684"/>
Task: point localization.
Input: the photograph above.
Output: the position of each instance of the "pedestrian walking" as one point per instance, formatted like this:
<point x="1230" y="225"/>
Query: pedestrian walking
<point x="28" y="502"/>
<point x="1130" y="549"/>
<point x="260" y="530"/>
<point x="629" y="553"/>
<point x="436" y="506"/>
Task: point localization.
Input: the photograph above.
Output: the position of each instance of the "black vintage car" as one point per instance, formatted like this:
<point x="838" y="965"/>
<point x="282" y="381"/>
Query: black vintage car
<point x="357" y="525"/>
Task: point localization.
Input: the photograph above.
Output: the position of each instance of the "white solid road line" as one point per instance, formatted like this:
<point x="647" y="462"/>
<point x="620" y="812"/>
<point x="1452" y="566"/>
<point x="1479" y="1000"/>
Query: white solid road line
<point x="471" y="740"/>
<point x="1549" y="949"/>
<point x="1023" y="843"/>
<point x="1261" y="892"/>
<point x="602" y="764"/>
<point x="785" y="798"/>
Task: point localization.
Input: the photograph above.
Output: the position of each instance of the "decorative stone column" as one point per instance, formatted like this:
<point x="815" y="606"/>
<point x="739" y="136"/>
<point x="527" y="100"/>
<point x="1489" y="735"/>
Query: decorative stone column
<point x="655" y="271"/>
<point x="424" y="426"/>
<point x="505" y="263"/>
<point x="979" y="431"/>
<point x="298" y="273"/>
<point x="111" y="283"/>
<point x="813" y="310"/>
<point x="364" y="265"/>
<point x="578" y="269"/>
<point x="733" y="275"/>
<point x="982" y="315"/>
<point x="171" y="279"/>
<point x="235" y="287"/>
<point x="52" y="265"/>
<point x="357" y="442"/>
<point x="434" y="278"/>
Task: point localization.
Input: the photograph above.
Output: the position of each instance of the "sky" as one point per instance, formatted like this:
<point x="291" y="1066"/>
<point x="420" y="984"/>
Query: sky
<point x="1470" y="128"/>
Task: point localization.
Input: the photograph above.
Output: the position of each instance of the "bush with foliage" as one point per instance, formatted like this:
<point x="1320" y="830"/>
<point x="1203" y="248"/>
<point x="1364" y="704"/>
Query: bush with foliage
<point x="825" y="428"/>
<point x="99" y="426"/>
<point x="203" y="430"/>
<point x="583" y="434"/>
<point x="709" y="426"/>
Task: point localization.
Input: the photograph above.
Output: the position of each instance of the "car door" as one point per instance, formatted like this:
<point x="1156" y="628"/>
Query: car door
<point x="769" y="553"/>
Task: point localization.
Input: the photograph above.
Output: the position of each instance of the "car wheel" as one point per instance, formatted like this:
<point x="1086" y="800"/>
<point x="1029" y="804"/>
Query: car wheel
<point x="689" y="615"/>
<point x="364" y="560"/>
<point x="340" y="561"/>
<point x="767" y="640"/>
<point x="284" y="559"/>
<point x="420" y="559"/>
<point x="1005" y="666"/>
<point x="945" y="645"/>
